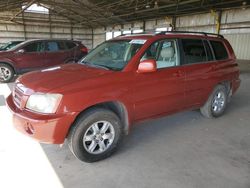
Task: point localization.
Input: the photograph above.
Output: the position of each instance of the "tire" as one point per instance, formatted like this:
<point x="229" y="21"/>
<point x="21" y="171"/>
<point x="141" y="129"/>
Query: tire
<point x="216" y="103"/>
<point x="86" y="142"/>
<point x="6" y="73"/>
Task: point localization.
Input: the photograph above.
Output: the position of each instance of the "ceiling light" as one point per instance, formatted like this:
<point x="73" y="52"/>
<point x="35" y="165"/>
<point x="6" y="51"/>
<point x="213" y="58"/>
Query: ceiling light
<point x="156" y="6"/>
<point x="147" y="5"/>
<point x="244" y="3"/>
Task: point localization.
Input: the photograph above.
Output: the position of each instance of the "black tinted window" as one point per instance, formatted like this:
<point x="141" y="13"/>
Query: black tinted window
<point x="61" y="45"/>
<point x="194" y="51"/>
<point x="70" y="44"/>
<point x="220" y="51"/>
<point x="34" y="47"/>
<point x="208" y="51"/>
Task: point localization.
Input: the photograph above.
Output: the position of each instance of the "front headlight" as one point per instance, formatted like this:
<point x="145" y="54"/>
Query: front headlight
<point x="44" y="103"/>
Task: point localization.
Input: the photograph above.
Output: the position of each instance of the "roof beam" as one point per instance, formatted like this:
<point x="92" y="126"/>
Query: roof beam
<point x="68" y="9"/>
<point x="145" y="10"/>
<point x="21" y="11"/>
<point x="96" y="12"/>
<point x="76" y="13"/>
<point x="59" y="13"/>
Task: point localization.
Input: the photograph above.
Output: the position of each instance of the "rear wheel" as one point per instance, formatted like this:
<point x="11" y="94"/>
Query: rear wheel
<point x="216" y="103"/>
<point x="95" y="135"/>
<point x="6" y="73"/>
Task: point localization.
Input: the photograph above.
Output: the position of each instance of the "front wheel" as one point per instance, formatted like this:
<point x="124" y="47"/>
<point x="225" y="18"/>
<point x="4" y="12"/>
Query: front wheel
<point x="95" y="135"/>
<point x="6" y="73"/>
<point x="216" y="103"/>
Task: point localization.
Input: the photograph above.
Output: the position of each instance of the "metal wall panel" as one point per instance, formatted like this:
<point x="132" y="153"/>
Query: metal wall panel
<point x="235" y="25"/>
<point x="41" y="26"/>
<point x="240" y="44"/>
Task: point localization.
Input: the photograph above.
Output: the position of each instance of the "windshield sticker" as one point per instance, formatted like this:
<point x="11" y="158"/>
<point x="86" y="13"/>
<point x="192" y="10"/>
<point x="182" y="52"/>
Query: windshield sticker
<point x="137" y="41"/>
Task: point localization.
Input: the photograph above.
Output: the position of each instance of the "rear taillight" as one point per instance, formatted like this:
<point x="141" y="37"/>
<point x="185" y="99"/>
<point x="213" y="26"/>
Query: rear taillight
<point x="84" y="50"/>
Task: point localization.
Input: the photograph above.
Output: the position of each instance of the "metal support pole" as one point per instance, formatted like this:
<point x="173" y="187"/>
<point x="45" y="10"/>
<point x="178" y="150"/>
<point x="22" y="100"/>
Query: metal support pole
<point x="92" y="32"/>
<point x="218" y="22"/>
<point x="71" y="31"/>
<point x="24" y="27"/>
<point x="173" y="23"/>
<point x="144" y="26"/>
<point x="50" y="30"/>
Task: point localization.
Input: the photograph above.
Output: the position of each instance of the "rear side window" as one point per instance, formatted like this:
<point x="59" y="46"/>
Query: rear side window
<point x="61" y="45"/>
<point x="52" y="46"/>
<point x="220" y="51"/>
<point x="70" y="45"/>
<point x="194" y="51"/>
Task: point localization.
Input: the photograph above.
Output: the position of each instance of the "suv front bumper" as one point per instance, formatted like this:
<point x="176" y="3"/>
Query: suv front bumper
<point x="44" y="128"/>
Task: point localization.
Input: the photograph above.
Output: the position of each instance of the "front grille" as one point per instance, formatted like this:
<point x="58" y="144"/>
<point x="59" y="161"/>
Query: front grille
<point x="20" y="95"/>
<point x="17" y="96"/>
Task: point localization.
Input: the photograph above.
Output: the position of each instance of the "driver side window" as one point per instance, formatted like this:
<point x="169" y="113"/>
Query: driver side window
<point x="164" y="52"/>
<point x="34" y="47"/>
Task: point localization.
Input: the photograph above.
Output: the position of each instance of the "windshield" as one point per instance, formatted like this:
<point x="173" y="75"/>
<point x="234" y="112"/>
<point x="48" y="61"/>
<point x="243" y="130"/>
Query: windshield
<point x="113" y="55"/>
<point x="17" y="46"/>
<point x="9" y="45"/>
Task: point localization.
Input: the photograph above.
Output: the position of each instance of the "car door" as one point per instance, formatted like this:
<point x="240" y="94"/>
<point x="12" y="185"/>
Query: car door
<point x="56" y="53"/>
<point x="161" y="91"/>
<point x="30" y="56"/>
<point x="199" y="64"/>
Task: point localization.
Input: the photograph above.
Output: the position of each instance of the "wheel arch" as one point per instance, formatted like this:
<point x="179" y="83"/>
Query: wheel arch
<point x="227" y="84"/>
<point x="10" y="64"/>
<point x="115" y="106"/>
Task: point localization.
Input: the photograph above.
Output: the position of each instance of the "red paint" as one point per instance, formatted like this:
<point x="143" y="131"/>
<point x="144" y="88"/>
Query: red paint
<point x="145" y="95"/>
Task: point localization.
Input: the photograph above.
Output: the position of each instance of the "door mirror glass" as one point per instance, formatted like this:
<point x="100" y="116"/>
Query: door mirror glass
<point x="148" y="65"/>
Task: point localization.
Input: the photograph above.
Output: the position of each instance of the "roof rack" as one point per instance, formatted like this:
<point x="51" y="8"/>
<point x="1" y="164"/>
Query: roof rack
<point x="141" y="33"/>
<point x="190" y="32"/>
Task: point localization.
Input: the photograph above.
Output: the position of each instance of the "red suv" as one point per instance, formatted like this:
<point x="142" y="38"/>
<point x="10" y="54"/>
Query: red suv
<point x="122" y="81"/>
<point x="37" y="54"/>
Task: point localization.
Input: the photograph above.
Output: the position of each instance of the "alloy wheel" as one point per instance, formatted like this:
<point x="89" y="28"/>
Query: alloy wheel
<point x="98" y="137"/>
<point x="219" y="102"/>
<point x="5" y="73"/>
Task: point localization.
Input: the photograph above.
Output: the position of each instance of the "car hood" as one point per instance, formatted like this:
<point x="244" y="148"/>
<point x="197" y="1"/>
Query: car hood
<point x="59" y="76"/>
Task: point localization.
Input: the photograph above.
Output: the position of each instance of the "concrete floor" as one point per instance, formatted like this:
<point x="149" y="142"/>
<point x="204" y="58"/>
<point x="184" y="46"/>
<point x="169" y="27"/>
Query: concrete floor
<point x="182" y="150"/>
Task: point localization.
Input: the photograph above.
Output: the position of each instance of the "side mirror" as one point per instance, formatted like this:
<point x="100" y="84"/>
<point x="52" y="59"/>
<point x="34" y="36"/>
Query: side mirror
<point x="21" y="51"/>
<point x="148" y="65"/>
